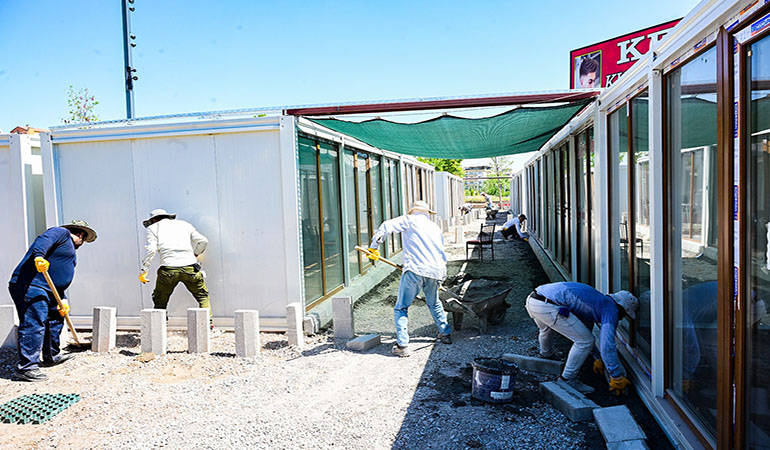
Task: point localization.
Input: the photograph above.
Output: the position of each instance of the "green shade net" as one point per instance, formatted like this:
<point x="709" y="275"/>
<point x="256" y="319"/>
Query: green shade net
<point x="521" y="130"/>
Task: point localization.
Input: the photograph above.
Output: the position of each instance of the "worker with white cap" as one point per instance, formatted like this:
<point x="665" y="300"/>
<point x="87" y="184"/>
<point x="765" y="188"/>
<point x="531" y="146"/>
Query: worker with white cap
<point x="571" y="309"/>
<point x="179" y="245"/>
<point x="424" y="269"/>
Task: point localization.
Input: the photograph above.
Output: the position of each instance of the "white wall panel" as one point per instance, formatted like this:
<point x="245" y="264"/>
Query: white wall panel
<point x="96" y="185"/>
<point x="12" y="219"/>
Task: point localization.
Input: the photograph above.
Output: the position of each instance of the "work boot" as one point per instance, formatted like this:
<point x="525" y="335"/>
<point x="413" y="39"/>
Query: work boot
<point x="60" y="358"/>
<point x="401" y="352"/>
<point x="577" y="385"/>
<point x="31" y="375"/>
<point x="444" y="338"/>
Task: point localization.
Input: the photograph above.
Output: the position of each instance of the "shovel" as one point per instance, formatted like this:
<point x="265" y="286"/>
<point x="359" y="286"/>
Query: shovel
<point x="61" y="307"/>
<point x="456" y="299"/>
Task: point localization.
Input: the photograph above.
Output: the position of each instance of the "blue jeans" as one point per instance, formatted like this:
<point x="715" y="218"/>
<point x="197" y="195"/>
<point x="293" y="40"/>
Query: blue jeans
<point x="40" y="325"/>
<point x="411" y="285"/>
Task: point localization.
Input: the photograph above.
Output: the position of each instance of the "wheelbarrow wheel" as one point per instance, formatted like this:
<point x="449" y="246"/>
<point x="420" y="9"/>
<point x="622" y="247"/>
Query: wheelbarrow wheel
<point x="496" y="316"/>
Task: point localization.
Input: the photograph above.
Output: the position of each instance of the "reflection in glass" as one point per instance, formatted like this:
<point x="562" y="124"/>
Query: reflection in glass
<point x="363" y="204"/>
<point x="311" y="227"/>
<point x="641" y="209"/>
<point x="350" y="212"/>
<point x="376" y="183"/>
<point x="618" y="122"/>
<point x="758" y="201"/>
<point x="396" y="206"/>
<point x="583" y="257"/>
<point x="566" y="210"/>
<point x="332" y="234"/>
<point x="692" y="123"/>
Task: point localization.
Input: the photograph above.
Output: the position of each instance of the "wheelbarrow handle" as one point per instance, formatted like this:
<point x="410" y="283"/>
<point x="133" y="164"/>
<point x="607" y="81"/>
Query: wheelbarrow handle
<point x="61" y="307"/>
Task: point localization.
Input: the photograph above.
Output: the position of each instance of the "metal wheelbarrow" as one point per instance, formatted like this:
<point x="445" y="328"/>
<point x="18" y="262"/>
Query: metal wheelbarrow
<point x="488" y="310"/>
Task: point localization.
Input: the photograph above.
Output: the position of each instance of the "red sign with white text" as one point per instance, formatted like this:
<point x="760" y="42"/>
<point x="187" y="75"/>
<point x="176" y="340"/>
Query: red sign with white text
<point x="600" y="65"/>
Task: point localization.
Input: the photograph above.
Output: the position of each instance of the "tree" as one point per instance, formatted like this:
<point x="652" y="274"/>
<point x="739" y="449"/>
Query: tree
<point x="452" y="166"/>
<point x="501" y="166"/>
<point x="81" y="106"/>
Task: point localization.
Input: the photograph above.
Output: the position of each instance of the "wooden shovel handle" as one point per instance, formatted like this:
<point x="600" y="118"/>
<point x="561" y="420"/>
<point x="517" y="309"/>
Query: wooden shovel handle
<point x="61" y="306"/>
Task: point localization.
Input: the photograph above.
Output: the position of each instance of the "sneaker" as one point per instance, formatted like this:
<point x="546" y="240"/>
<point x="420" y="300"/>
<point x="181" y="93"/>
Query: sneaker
<point x="577" y="385"/>
<point x="60" y="358"/>
<point x="444" y="338"/>
<point x="31" y="375"/>
<point x="400" y="351"/>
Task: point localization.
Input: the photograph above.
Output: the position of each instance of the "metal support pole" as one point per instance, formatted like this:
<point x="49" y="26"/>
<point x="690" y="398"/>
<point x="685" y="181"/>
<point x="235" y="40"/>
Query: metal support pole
<point x="129" y="69"/>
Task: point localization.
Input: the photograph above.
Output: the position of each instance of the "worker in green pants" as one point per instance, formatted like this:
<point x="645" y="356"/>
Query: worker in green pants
<point x="179" y="245"/>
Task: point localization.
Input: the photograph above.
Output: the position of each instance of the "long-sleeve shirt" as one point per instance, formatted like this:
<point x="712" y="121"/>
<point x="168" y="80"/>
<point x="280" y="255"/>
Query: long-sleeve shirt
<point x="423" y="244"/>
<point x="56" y="246"/>
<point x="177" y="242"/>
<point x="514" y="222"/>
<point x="590" y="306"/>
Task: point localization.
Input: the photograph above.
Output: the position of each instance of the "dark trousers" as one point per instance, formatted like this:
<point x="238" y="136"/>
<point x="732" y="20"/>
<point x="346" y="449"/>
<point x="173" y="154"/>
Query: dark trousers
<point x="40" y="325"/>
<point x="169" y="277"/>
<point x="510" y="232"/>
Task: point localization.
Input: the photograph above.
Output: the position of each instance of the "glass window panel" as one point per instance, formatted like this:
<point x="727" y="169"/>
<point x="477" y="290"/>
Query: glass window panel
<point x="619" y="198"/>
<point x="641" y="199"/>
<point x="350" y="213"/>
<point x="330" y="205"/>
<point x="376" y="183"/>
<point x="581" y="155"/>
<point x="311" y="227"/>
<point x="395" y="184"/>
<point x="591" y="200"/>
<point x="566" y="210"/>
<point x="692" y="280"/>
<point x="758" y="258"/>
<point x="364" y="209"/>
<point x="557" y="205"/>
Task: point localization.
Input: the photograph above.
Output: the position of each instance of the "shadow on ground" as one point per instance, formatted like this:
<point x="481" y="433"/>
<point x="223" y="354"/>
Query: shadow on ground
<point x="442" y="414"/>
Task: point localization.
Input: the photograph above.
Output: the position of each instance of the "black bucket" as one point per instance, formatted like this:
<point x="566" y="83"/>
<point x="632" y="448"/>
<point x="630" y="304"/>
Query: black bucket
<point x="494" y="379"/>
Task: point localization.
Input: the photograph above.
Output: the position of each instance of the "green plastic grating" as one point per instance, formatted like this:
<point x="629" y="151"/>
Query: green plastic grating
<point x="36" y="408"/>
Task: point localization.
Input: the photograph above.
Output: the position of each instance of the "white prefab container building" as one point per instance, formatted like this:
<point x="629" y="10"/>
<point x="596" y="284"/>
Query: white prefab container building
<point x="281" y="222"/>
<point x="449" y="195"/>
<point x="21" y="195"/>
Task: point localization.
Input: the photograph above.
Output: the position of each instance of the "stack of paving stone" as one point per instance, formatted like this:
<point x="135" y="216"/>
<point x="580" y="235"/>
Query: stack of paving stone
<point x="36" y="408"/>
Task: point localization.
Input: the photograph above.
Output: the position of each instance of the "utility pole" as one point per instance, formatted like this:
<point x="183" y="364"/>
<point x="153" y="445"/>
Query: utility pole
<point x="128" y="8"/>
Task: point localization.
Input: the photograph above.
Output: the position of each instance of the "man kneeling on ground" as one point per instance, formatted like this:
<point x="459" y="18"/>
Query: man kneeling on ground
<point x="571" y="309"/>
<point x="424" y="268"/>
<point x="513" y="228"/>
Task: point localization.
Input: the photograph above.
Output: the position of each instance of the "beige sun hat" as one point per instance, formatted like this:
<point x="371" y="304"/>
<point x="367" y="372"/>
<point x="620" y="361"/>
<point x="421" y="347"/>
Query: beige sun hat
<point x="156" y="215"/>
<point x="420" y="206"/>
<point x="82" y="225"/>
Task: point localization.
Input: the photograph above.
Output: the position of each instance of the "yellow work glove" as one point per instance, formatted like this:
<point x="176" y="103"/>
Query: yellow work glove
<point x="64" y="308"/>
<point x="143" y="278"/>
<point x="373" y="254"/>
<point x="598" y="366"/>
<point x="41" y="264"/>
<point x="618" y="385"/>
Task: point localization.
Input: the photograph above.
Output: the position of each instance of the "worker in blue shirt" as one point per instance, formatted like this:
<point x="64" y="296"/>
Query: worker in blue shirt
<point x="40" y="317"/>
<point x="571" y="309"/>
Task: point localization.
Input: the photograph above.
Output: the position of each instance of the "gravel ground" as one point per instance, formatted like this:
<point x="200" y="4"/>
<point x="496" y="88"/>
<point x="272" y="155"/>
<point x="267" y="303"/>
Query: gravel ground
<point x="321" y="397"/>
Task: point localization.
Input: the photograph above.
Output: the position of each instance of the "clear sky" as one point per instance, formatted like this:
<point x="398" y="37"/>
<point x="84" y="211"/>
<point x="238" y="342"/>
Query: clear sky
<point x="197" y="55"/>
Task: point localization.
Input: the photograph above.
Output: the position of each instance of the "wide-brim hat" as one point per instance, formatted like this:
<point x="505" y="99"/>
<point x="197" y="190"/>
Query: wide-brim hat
<point x="82" y="225"/>
<point x="156" y="215"/>
<point x="420" y="206"/>
<point x="627" y="301"/>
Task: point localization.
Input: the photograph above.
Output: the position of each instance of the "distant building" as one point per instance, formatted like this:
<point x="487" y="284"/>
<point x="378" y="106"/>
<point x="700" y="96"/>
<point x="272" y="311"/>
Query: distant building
<point x="27" y="130"/>
<point x="473" y="173"/>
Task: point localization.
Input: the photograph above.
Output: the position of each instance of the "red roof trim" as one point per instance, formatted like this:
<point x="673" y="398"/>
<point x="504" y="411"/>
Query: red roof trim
<point x="444" y="104"/>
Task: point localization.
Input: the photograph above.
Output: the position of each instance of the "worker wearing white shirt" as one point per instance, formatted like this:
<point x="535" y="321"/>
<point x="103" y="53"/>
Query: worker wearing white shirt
<point x="424" y="268"/>
<point x="513" y="228"/>
<point x="179" y="245"/>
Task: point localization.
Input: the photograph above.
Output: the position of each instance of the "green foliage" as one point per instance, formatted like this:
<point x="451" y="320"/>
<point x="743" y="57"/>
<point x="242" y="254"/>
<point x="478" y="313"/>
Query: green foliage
<point x="81" y="106"/>
<point x="452" y="166"/>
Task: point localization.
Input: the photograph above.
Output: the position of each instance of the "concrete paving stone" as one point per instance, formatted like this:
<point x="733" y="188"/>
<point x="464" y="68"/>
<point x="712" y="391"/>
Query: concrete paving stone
<point x="534" y="364"/>
<point x="364" y="343"/>
<point x="459" y="235"/>
<point x="198" y="338"/>
<point x="105" y="325"/>
<point x="9" y="323"/>
<point x="570" y="402"/>
<point x="294" y="317"/>
<point x="342" y="317"/>
<point x="247" y="339"/>
<point x="617" y="424"/>
<point x="636" y="444"/>
<point x="153" y="331"/>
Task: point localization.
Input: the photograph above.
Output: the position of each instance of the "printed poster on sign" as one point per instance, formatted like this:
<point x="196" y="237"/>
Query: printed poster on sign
<point x="588" y="70"/>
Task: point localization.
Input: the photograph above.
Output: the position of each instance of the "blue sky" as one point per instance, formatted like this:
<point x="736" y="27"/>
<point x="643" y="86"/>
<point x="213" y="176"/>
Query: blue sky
<point x="203" y="55"/>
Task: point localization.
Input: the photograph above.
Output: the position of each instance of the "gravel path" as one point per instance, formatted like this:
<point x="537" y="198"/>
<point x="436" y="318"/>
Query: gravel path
<point x="323" y="397"/>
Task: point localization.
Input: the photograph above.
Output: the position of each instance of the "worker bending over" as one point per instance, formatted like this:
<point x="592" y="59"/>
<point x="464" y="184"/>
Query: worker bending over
<point x="179" y="245"/>
<point x="424" y="269"/>
<point x="513" y="228"/>
<point x="40" y="317"/>
<point x="572" y="309"/>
